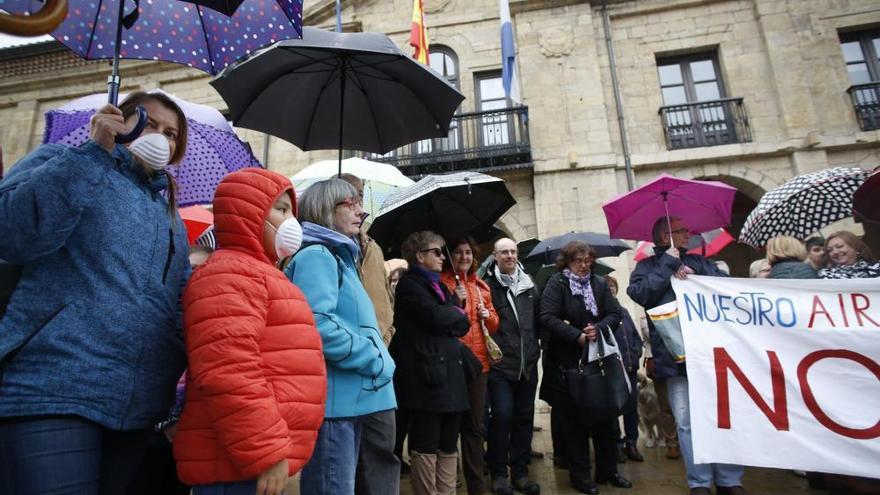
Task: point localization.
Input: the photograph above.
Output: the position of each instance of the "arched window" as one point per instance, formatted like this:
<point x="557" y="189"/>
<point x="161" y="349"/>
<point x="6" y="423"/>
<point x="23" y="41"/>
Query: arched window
<point x="445" y="62"/>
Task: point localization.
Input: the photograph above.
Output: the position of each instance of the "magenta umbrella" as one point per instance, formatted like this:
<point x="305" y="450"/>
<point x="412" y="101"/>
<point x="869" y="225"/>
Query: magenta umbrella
<point x="701" y="205"/>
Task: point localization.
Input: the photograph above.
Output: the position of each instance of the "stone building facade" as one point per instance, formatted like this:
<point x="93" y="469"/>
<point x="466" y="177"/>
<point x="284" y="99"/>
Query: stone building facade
<point x="748" y="92"/>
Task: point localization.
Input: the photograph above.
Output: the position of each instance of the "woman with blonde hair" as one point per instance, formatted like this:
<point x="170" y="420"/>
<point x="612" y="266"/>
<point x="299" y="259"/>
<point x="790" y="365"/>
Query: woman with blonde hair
<point x="786" y="256"/>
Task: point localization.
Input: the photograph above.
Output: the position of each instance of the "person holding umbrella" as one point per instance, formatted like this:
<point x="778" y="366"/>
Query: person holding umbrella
<point x="575" y="306"/>
<point x="359" y="368"/>
<point x="475" y="297"/>
<point x="90" y="345"/>
<point x="650" y="286"/>
<point x="433" y="366"/>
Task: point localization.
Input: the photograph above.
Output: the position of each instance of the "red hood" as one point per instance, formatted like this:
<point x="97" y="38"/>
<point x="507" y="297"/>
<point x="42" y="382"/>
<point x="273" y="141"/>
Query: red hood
<point x="241" y="206"/>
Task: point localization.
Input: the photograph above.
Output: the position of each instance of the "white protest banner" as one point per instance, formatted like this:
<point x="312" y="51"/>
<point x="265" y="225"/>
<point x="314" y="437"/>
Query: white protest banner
<point x="783" y="373"/>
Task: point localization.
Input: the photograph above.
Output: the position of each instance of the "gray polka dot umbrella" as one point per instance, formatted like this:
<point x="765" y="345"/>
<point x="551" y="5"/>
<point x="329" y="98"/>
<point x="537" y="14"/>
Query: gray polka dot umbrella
<point x="803" y="205"/>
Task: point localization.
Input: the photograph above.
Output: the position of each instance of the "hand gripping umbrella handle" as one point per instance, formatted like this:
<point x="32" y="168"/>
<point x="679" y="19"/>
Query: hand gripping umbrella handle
<point x="138" y="127"/>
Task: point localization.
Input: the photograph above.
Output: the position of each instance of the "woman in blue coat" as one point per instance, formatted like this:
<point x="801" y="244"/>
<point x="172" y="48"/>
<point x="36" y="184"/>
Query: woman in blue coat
<point x="359" y="368"/>
<point x="90" y="343"/>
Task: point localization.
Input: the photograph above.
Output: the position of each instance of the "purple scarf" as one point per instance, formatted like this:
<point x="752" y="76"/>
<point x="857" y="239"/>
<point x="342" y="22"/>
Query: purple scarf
<point x="433" y="278"/>
<point x="580" y="286"/>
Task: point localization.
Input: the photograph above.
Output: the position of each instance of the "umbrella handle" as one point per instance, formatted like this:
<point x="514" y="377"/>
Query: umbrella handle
<point x="138" y="127"/>
<point x="45" y="21"/>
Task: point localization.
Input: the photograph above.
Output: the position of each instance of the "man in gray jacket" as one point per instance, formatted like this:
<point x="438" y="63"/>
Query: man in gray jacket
<point x="514" y="380"/>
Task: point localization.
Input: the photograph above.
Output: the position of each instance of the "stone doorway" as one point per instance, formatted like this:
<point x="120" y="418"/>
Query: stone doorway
<point x="739" y="256"/>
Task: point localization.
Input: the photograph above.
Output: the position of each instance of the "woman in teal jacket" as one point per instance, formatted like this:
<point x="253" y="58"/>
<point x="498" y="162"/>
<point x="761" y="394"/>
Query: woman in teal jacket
<point x="359" y="368"/>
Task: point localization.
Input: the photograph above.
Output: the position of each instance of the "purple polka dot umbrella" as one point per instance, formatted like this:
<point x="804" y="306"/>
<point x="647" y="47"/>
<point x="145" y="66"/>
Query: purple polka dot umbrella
<point x="212" y="150"/>
<point x="170" y="30"/>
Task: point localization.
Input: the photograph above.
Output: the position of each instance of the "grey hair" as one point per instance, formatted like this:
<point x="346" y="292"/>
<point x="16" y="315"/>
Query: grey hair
<point x="660" y="226"/>
<point x="318" y="203"/>
<point x="416" y="242"/>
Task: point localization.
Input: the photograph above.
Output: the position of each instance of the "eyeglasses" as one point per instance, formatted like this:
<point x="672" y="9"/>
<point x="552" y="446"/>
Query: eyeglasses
<point x="681" y="231"/>
<point x="507" y="252"/>
<point x="351" y="203"/>
<point x="438" y="252"/>
<point x="582" y="261"/>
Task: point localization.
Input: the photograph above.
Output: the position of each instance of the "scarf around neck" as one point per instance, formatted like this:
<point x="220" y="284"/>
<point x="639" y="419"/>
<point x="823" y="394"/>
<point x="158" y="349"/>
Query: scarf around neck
<point x="580" y="286"/>
<point x="859" y="269"/>
<point x="517" y="283"/>
<point x="432" y="277"/>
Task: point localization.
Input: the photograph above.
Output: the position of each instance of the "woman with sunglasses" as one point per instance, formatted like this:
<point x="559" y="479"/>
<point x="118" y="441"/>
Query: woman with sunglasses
<point x="359" y="368"/>
<point x="432" y="365"/>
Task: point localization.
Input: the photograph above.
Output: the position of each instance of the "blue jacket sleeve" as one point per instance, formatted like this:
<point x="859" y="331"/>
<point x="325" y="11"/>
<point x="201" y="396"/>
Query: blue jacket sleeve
<point x="43" y="197"/>
<point x="650" y="281"/>
<point x="315" y="272"/>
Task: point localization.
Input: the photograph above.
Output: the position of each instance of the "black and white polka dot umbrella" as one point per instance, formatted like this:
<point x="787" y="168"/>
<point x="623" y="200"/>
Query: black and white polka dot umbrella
<point x="803" y="205"/>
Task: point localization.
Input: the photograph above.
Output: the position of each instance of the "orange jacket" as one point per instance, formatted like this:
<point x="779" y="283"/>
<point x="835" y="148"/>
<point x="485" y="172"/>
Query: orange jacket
<point x="256" y="382"/>
<point x="474" y="338"/>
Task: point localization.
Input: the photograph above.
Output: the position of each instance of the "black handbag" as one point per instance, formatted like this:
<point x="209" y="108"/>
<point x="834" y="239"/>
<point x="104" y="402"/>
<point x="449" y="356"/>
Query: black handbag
<point x="599" y="388"/>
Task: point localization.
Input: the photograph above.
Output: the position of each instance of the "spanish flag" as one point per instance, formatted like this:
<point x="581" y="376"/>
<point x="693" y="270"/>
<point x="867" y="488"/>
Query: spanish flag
<point x="418" y="35"/>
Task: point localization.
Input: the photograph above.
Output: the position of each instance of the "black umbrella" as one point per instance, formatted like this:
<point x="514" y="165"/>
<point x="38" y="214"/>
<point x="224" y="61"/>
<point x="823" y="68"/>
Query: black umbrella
<point x="803" y="205"/>
<point x="451" y="205"/>
<point x="546" y="250"/>
<point x="339" y="91"/>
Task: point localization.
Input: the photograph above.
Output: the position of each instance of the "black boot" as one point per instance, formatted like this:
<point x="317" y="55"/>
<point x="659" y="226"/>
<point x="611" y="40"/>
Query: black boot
<point x="632" y="452"/>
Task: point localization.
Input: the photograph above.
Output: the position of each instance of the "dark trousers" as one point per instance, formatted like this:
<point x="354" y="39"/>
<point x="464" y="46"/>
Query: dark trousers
<point x="401" y="421"/>
<point x="578" y="430"/>
<point x="378" y="469"/>
<point x="158" y="471"/>
<point x="471" y="429"/>
<point x="433" y="433"/>
<point x="630" y="415"/>
<point x="67" y="455"/>
<point x="510" y="424"/>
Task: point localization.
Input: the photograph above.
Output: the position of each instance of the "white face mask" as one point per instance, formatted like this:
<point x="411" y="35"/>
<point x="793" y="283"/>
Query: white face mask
<point x="288" y="237"/>
<point x="152" y="150"/>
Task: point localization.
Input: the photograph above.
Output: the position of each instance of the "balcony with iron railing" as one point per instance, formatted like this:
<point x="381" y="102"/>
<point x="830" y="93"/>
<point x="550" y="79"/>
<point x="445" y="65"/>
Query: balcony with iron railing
<point x="705" y="123"/>
<point x="866" y="102"/>
<point x="486" y="141"/>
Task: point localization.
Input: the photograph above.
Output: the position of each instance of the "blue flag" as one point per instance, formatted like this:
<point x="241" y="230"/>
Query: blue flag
<point x="509" y="76"/>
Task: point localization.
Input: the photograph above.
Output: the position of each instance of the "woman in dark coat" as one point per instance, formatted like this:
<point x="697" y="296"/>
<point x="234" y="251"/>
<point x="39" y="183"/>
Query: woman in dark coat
<point x="431" y="379"/>
<point x="575" y="306"/>
<point x="787" y="257"/>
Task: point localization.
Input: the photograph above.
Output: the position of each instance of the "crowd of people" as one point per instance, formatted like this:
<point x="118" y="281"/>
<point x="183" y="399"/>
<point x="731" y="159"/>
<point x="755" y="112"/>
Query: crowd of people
<point x="300" y="354"/>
